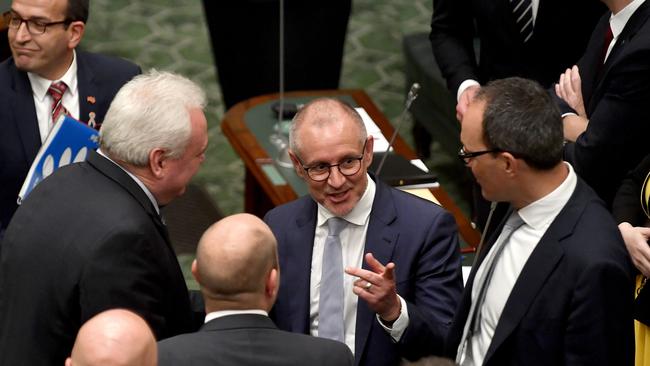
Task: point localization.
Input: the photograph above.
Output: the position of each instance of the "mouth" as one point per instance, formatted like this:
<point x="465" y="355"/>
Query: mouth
<point x="338" y="197"/>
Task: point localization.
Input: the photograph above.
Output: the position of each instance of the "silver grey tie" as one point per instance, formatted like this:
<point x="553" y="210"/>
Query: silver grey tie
<point x="473" y="320"/>
<point x="330" y="304"/>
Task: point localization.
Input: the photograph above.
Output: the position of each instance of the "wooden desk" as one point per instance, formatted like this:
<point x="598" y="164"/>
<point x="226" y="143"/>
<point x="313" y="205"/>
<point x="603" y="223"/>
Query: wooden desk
<point x="262" y="194"/>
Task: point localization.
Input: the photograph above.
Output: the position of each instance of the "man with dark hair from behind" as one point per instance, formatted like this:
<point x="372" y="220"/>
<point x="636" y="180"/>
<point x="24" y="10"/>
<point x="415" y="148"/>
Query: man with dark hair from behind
<point x="45" y="78"/>
<point x="555" y="273"/>
<point x="237" y="267"/>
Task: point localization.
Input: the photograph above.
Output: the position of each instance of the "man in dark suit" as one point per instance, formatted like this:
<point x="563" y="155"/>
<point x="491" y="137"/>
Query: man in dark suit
<point x="90" y="236"/>
<point x="401" y="302"/>
<point x="237" y="267"/>
<point x="504" y="49"/>
<point x="610" y="89"/>
<point x="115" y="337"/>
<point x="43" y="36"/>
<point x="553" y="286"/>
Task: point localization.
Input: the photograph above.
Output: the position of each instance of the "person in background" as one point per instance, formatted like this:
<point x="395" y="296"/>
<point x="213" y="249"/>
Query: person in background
<point x="47" y="77"/>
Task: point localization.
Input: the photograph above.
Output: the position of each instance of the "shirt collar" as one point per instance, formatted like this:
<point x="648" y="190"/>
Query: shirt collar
<point x="137" y="180"/>
<point x="40" y="85"/>
<point x="221" y="313"/>
<point x="618" y="21"/>
<point x="542" y="212"/>
<point x="361" y="211"/>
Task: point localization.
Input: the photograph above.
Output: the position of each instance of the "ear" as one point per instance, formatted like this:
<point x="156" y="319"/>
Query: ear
<point x="157" y="160"/>
<point x="195" y="272"/>
<point x="272" y="284"/>
<point x="297" y="166"/>
<point x="370" y="143"/>
<point x="68" y="361"/>
<point x="76" y="30"/>
<point x="511" y="163"/>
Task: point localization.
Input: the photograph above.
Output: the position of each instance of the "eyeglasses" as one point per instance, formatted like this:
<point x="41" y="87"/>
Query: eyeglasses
<point x="349" y="166"/>
<point x="34" y="27"/>
<point x="465" y="156"/>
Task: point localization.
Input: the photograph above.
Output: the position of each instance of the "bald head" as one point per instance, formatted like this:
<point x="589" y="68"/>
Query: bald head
<point x="115" y="337"/>
<point x="325" y="113"/>
<point x="234" y="259"/>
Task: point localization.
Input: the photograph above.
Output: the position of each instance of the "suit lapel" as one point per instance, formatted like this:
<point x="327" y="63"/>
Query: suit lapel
<point x="381" y="239"/>
<point x="298" y="263"/>
<point x="24" y="114"/>
<point x="636" y="21"/>
<point x="541" y="263"/>
<point x="119" y="176"/>
<point x="87" y="88"/>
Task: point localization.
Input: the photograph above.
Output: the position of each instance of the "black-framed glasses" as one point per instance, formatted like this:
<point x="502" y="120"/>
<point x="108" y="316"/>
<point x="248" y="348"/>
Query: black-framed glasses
<point x="321" y="171"/>
<point x="465" y="155"/>
<point x="34" y="27"/>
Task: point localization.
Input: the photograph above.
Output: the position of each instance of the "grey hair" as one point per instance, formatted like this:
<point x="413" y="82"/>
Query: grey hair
<point x="327" y="110"/>
<point x="150" y="111"/>
<point x="521" y="118"/>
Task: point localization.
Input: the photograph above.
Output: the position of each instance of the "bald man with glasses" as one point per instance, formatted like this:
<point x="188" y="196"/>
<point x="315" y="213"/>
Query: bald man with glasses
<point x="44" y="79"/>
<point x="363" y="263"/>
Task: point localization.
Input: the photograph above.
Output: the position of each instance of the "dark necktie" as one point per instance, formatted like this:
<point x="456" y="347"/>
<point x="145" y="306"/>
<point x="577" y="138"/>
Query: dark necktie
<point x="609" y="36"/>
<point x="330" y="303"/>
<point x="522" y="10"/>
<point x="56" y="90"/>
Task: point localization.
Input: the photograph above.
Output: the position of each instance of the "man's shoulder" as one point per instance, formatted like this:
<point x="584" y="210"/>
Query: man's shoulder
<point x="291" y="209"/>
<point x="108" y="65"/>
<point x="410" y="205"/>
<point x="7" y="70"/>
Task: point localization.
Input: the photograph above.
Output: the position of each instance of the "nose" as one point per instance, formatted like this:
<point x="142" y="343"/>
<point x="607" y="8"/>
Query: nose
<point x="336" y="179"/>
<point x="22" y="34"/>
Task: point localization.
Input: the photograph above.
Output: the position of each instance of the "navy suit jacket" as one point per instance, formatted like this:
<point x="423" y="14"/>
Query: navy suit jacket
<point x="503" y="53"/>
<point x="572" y="302"/>
<point x="71" y="253"/>
<point x="250" y="340"/>
<point x="417" y="235"/>
<point x="98" y="76"/>
<point x="616" y="98"/>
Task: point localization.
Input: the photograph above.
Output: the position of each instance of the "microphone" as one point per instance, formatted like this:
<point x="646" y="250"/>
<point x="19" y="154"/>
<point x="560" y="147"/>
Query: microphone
<point x="410" y="97"/>
<point x="493" y="206"/>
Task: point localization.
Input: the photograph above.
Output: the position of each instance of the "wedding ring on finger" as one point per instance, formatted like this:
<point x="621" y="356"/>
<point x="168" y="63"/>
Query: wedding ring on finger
<point x="367" y="286"/>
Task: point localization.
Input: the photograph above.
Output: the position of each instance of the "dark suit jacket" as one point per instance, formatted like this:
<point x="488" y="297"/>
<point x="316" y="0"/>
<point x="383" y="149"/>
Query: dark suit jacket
<point x="97" y="76"/>
<point x="562" y="29"/>
<point x="250" y="339"/>
<point x="572" y="302"/>
<point x="418" y="236"/>
<point x="616" y="104"/>
<point x="87" y="239"/>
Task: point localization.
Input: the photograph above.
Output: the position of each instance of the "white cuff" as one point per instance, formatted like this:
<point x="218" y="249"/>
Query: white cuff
<point x="399" y="325"/>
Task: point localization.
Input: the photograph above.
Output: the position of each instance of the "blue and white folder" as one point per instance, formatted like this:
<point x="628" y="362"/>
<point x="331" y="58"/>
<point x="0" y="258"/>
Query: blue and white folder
<point x="68" y="142"/>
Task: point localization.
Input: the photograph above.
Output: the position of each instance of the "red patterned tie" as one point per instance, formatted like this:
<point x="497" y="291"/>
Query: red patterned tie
<point x="56" y="90"/>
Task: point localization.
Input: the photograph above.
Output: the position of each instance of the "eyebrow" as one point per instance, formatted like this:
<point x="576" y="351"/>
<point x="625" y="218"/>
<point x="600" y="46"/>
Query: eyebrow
<point x="35" y="18"/>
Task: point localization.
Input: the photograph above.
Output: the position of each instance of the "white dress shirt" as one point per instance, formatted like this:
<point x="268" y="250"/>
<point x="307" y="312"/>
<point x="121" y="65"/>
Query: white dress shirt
<point x="537" y="217"/>
<point x="352" y="238"/>
<point x="470" y="82"/>
<point x="221" y="313"/>
<point x="618" y="21"/>
<point x="43" y="101"/>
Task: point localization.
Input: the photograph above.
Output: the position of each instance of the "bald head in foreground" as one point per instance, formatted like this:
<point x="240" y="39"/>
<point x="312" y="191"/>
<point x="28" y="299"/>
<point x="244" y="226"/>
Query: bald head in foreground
<point x="237" y="267"/>
<point x="116" y="337"/>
